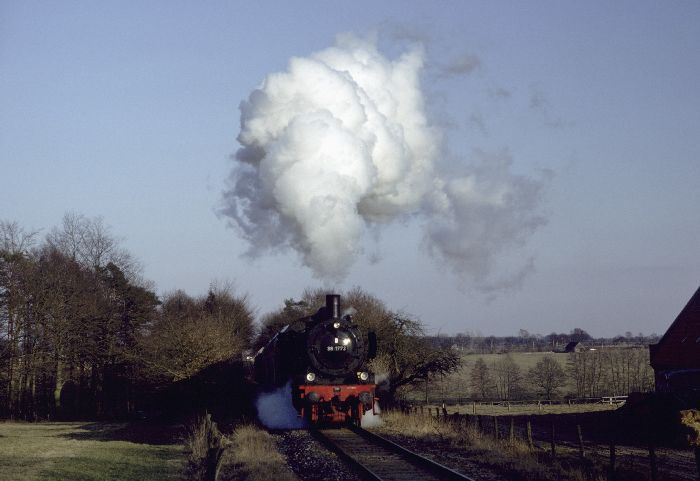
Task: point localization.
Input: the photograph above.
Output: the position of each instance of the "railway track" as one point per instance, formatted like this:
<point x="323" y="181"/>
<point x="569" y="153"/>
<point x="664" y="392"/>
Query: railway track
<point x="379" y="459"/>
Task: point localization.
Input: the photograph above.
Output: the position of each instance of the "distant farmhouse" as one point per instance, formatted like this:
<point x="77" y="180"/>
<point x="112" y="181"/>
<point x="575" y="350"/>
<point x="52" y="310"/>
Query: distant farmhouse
<point x="574" y="346"/>
<point x="676" y="357"/>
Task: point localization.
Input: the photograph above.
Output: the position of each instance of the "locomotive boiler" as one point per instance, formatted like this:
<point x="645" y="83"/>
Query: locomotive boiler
<point x="324" y="357"/>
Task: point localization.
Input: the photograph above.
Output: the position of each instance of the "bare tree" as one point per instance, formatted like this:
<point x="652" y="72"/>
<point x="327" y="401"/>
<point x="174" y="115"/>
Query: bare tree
<point x="587" y="370"/>
<point x="14" y="239"/>
<point x="480" y="379"/>
<point x="508" y="377"/>
<point x="548" y="376"/>
<point x="90" y="242"/>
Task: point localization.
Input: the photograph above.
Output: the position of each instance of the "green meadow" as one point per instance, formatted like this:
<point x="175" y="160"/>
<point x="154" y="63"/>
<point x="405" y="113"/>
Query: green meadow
<point x="89" y="452"/>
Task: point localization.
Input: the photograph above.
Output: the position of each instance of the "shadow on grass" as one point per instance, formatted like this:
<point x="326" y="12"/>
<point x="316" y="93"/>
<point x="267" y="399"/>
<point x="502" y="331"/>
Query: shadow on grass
<point x="137" y="432"/>
<point x="155" y="464"/>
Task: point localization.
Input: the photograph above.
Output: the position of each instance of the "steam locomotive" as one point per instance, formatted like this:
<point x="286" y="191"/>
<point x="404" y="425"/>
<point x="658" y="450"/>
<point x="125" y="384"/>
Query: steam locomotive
<point x="324" y="356"/>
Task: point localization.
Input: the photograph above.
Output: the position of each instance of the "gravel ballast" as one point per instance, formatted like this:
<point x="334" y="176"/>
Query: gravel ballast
<point x="310" y="460"/>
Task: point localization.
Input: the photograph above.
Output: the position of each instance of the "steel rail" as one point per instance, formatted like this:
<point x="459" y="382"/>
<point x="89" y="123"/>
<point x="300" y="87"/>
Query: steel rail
<point x="382" y="459"/>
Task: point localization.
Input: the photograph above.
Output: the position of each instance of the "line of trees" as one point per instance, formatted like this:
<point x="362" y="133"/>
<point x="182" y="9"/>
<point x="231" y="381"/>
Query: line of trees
<point x="614" y="371"/>
<point x="82" y="335"/>
<point x="474" y="343"/>
<point x="611" y="371"/>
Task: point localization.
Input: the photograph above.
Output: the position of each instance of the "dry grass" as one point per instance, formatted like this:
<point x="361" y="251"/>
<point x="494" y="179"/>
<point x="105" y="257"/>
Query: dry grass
<point x="198" y="444"/>
<point x="249" y="454"/>
<point x="526" y="409"/>
<point x="515" y="459"/>
<point x="253" y="456"/>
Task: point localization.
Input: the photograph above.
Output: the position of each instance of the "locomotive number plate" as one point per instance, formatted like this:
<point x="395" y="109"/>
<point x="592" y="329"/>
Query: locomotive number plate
<point x="336" y="348"/>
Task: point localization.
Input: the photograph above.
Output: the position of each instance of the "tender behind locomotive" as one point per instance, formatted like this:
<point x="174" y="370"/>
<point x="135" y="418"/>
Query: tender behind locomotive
<point x="325" y="358"/>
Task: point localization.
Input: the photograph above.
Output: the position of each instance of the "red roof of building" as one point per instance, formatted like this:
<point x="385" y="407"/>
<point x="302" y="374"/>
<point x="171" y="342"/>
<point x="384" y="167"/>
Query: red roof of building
<point x="679" y="348"/>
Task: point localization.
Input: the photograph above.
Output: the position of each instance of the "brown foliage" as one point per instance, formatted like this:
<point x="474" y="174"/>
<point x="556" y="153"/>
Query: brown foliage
<point x="193" y="333"/>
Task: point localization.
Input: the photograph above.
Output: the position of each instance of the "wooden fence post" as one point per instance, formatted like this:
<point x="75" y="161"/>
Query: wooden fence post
<point x="582" y="453"/>
<point x="474" y="407"/>
<point x="652" y="462"/>
<point x="551" y="437"/>
<point x="512" y="431"/>
<point x="611" y="474"/>
<point x="216" y="446"/>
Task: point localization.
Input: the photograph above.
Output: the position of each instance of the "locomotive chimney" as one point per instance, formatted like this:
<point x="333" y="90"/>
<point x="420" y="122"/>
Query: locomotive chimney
<point x="333" y="305"/>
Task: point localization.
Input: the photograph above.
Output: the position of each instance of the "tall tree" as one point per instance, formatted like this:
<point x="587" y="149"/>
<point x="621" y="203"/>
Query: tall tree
<point x="480" y="379"/>
<point x="579" y="335"/>
<point x="548" y="376"/>
<point x="508" y="377"/>
<point x="90" y="242"/>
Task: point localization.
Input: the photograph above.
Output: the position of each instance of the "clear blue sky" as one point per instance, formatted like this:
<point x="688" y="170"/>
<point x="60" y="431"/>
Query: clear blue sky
<point x="129" y="110"/>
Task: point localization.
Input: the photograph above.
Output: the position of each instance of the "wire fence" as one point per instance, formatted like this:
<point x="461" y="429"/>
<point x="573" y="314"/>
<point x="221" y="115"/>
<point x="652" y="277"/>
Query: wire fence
<point x="622" y="443"/>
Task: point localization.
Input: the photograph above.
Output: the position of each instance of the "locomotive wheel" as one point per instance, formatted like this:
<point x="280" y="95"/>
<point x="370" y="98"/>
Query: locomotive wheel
<point x="308" y="414"/>
<point x="355" y="416"/>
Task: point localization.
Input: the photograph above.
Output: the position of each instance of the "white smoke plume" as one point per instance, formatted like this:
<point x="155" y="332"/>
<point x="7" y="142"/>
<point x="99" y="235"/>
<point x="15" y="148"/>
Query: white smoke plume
<point x="340" y="143"/>
<point x="275" y="409"/>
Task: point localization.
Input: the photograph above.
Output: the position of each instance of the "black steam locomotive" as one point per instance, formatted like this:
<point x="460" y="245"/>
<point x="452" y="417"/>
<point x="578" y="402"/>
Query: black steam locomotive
<point x="325" y="358"/>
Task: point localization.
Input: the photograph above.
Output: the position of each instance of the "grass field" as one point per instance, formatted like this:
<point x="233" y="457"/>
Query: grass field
<point x="88" y="452"/>
<point x="456" y="385"/>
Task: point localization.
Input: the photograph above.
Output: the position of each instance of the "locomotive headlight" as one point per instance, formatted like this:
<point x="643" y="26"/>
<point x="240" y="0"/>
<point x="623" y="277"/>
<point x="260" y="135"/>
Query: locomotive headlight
<point x="336" y="325"/>
<point x="311" y="377"/>
<point x="363" y="375"/>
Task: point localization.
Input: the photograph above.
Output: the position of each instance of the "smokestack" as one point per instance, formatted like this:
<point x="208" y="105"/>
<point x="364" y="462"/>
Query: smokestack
<point x="333" y="305"/>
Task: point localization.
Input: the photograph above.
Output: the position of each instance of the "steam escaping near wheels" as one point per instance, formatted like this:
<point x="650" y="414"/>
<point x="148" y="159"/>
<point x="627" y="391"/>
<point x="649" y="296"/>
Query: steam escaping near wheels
<point x="340" y="143"/>
<point x="371" y="419"/>
<point x="275" y="409"/>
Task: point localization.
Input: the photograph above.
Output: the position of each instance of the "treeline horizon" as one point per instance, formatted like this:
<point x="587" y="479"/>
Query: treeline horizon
<point x="84" y="336"/>
<point x="582" y="375"/>
<point x="527" y="342"/>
